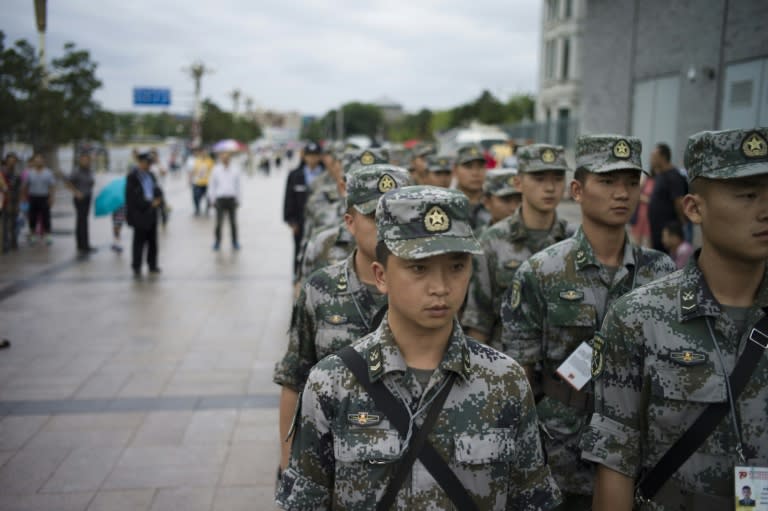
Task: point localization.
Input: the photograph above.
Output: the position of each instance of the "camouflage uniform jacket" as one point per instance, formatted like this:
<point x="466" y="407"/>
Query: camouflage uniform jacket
<point x="658" y="370"/>
<point x="325" y="207"/>
<point x="506" y="245"/>
<point x="333" y="310"/>
<point x="557" y="300"/>
<point x="479" y="218"/>
<point x="487" y="432"/>
<point x="327" y="247"/>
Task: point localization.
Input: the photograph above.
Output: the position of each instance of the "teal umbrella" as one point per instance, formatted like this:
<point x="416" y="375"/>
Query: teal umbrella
<point x="110" y="198"/>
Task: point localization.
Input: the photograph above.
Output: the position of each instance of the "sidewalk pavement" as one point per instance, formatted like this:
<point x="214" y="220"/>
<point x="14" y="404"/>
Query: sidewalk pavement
<point x="149" y="395"/>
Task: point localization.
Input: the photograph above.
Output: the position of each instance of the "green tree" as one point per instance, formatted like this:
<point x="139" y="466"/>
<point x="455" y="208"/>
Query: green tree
<point x="519" y="108"/>
<point x="52" y="110"/>
<point x="362" y="119"/>
<point x="218" y="124"/>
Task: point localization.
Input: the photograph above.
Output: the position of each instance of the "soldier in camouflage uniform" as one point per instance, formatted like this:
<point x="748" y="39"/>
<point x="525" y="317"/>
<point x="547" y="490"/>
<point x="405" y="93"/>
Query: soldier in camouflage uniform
<point x="345" y="450"/>
<point x="559" y="297"/>
<point x="508" y="243"/>
<point x="327" y="247"/>
<point x="337" y="304"/>
<point x="418" y="167"/>
<point x="501" y="197"/>
<point x="325" y="206"/>
<point x="439" y="171"/>
<point x="665" y="350"/>
<point x="469" y="171"/>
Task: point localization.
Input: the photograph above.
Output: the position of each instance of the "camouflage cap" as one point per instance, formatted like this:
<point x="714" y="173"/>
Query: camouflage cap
<point x="500" y="182"/>
<point x="540" y="158"/>
<point x="727" y="154"/>
<point x="366" y="184"/>
<point x="360" y="158"/>
<point x="424" y="151"/>
<point x="423" y="221"/>
<point x="469" y="153"/>
<point x="606" y="153"/>
<point x="439" y="164"/>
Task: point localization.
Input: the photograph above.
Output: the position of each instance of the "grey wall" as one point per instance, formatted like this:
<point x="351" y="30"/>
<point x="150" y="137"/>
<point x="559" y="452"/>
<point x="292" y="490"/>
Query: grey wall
<point x="605" y="72"/>
<point x="671" y="36"/>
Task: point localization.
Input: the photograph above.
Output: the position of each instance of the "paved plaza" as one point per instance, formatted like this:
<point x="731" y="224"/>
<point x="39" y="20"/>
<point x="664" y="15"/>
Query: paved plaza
<point x="149" y="395"/>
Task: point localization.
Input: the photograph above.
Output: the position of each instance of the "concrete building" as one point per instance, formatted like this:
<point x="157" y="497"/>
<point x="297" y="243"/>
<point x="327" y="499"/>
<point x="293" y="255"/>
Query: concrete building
<point x="559" y="102"/>
<point x="663" y="70"/>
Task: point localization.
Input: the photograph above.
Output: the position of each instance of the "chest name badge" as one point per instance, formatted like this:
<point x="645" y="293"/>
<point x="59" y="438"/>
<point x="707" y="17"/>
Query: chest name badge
<point x="363" y="419"/>
<point x="337" y="319"/>
<point x="688" y="358"/>
<point x="572" y="295"/>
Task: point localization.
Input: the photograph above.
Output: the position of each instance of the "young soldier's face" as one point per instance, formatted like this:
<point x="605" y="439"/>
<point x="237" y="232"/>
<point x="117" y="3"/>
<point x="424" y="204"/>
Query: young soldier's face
<point x="501" y="207"/>
<point x="470" y="176"/>
<point x="542" y="191"/>
<point x="609" y="198"/>
<point x="441" y="178"/>
<point x="425" y="294"/>
<point x="733" y="214"/>
<point x="363" y="229"/>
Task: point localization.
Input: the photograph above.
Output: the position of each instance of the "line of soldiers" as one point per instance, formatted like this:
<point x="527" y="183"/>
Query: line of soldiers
<point x="467" y="385"/>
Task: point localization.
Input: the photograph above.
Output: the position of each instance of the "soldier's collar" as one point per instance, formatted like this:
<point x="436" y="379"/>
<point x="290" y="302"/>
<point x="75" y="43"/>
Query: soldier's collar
<point x="348" y="281"/>
<point x="384" y="356"/>
<point x="517" y="229"/>
<point x="584" y="256"/>
<point x="696" y="299"/>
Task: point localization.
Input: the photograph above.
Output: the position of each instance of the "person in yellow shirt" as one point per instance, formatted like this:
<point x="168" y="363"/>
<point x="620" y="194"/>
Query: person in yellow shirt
<point x="200" y="167"/>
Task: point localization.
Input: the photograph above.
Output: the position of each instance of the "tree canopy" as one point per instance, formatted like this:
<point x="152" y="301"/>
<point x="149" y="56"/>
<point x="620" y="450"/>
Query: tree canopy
<point x="53" y="109"/>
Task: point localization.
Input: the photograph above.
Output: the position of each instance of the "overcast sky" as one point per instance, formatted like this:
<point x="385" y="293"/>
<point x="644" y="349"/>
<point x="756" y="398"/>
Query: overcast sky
<point x="304" y="55"/>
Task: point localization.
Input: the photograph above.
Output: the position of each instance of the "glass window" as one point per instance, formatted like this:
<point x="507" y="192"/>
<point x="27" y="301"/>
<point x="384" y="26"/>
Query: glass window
<point x="565" y="62"/>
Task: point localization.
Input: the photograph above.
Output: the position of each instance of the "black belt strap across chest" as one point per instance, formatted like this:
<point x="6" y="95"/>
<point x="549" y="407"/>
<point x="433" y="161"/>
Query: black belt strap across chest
<point x="419" y="447"/>
<point x="703" y="427"/>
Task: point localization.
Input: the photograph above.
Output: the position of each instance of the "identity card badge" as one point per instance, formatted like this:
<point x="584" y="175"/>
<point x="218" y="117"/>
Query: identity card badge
<point x="751" y="488"/>
<point x="577" y="368"/>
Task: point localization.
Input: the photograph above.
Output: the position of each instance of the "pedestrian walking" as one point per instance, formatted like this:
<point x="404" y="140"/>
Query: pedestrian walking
<point x="143" y="199"/>
<point x="641" y="225"/>
<point x="512" y="240"/>
<point x="80" y="183"/>
<point x="673" y="238"/>
<point x="559" y="296"/>
<point x="199" y="167"/>
<point x="224" y="193"/>
<point x="416" y="415"/>
<point x="669" y="188"/>
<point x="680" y="366"/>
<point x="296" y="190"/>
<point x="11" y="203"/>
<point x="39" y="190"/>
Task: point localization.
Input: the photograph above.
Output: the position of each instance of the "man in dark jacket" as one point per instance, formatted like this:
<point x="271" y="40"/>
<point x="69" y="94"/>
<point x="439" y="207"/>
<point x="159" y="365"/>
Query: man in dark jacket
<point x="296" y="192"/>
<point x="143" y="198"/>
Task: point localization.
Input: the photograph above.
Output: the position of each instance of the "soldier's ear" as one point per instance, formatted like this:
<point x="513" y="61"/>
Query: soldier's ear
<point x="692" y="206"/>
<point x="576" y="190"/>
<point x="380" y="275"/>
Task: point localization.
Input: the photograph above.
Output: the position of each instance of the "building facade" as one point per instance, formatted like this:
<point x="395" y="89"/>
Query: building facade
<point x="558" y="106"/>
<point x="663" y="70"/>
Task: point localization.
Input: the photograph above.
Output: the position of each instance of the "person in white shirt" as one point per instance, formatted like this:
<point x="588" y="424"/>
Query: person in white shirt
<point x="224" y="194"/>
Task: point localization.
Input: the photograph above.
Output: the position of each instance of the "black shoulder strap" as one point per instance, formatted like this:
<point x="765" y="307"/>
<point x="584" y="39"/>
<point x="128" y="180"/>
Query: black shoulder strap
<point x="398" y="416"/>
<point x="414" y="449"/>
<point x="700" y="430"/>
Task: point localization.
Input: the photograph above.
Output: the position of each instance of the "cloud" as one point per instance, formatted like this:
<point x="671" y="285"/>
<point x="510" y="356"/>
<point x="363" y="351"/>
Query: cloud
<point x="306" y="55"/>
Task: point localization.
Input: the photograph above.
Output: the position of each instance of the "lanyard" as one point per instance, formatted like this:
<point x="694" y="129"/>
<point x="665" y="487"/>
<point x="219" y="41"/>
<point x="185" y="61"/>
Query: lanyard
<point x="734" y="419"/>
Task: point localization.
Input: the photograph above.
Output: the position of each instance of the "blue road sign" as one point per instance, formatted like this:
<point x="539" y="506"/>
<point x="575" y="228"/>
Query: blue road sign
<point x="151" y="96"/>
